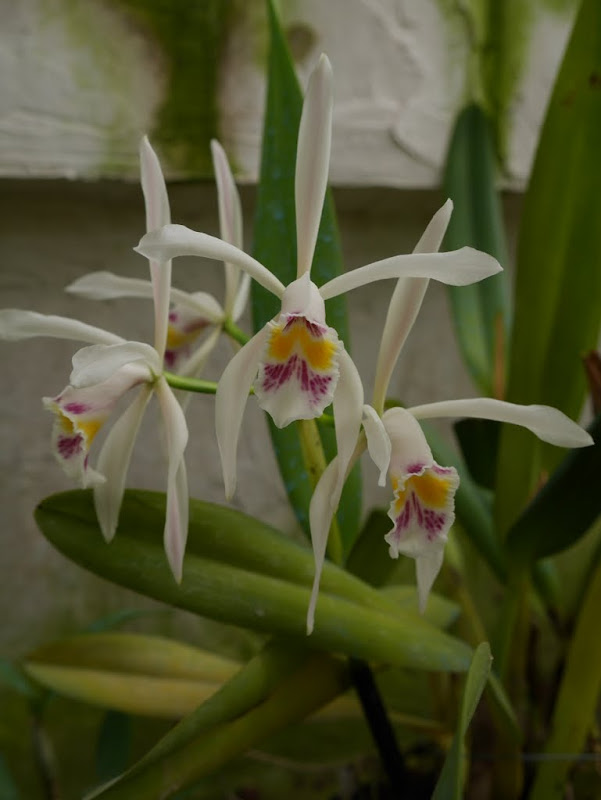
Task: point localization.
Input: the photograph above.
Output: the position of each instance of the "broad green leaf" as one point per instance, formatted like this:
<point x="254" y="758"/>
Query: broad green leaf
<point x="440" y="611"/>
<point x="275" y="247"/>
<point x="369" y="558"/>
<point x="114" y="745"/>
<point x="481" y="311"/>
<point x="8" y="787"/>
<point x="564" y="509"/>
<point x="574" y="714"/>
<point x="450" y="782"/>
<point x="131" y="673"/>
<point x="558" y="279"/>
<point x="231" y="591"/>
<point x="278" y="687"/>
<point x="479" y="443"/>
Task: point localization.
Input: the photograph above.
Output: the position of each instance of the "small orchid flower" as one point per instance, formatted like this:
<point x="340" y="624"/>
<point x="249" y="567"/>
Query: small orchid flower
<point x="297" y="364"/>
<point x="103" y="373"/>
<point x="422" y="508"/>
<point x="191" y="314"/>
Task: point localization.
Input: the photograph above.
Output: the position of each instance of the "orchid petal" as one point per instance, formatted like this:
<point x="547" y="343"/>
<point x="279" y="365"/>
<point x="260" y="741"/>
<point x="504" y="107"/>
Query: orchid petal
<point x="348" y="408"/>
<point x="113" y="463"/>
<point x="321" y="514"/>
<point x="157" y="215"/>
<point x="195" y="364"/>
<point x="177" y="240"/>
<point x="312" y="161"/>
<point x="549" y="424"/>
<point x="404" y="307"/>
<point x="176" y="522"/>
<point x="230" y="402"/>
<point x="427" y="568"/>
<point x="455" y="268"/>
<point x="16" y="324"/>
<point x="299" y="368"/>
<point x="230" y="217"/>
<point x="108" y="286"/>
<point x="241" y="299"/>
<point x="96" y="363"/>
<point x="378" y="442"/>
<point x="422" y="508"/>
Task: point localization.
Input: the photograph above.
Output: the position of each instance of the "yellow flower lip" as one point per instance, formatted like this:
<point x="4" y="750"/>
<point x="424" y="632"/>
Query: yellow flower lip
<point x="304" y="338"/>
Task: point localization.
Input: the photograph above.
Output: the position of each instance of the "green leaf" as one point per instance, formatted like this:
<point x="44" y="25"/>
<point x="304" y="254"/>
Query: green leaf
<point x="574" y="713"/>
<point x="564" y="509"/>
<point x="558" y="280"/>
<point x="131" y="673"/>
<point x="278" y="687"/>
<point x="479" y="443"/>
<point x="481" y="311"/>
<point x="450" y="782"/>
<point x="275" y="247"/>
<point x="114" y="745"/>
<point x="229" y="575"/>
<point x="8" y="787"/>
<point x="369" y="558"/>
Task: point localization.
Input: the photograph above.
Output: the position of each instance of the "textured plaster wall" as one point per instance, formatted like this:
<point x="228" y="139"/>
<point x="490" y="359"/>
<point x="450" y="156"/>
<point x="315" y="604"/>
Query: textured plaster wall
<point x="53" y="232"/>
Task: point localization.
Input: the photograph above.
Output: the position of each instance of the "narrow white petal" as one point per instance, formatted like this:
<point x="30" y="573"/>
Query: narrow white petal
<point x="547" y="423"/>
<point x="176" y="521"/>
<point x="321" y="514"/>
<point x="348" y="408"/>
<point x="312" y="161"/>
<point x="108" y="286"/>
<point x="157" y="214"/>
<point x="98" y="362"/>
<point x="427" y="568"/>
<point x="241" y="298"/>
<point x="456" y="268"/>
<point x="177" y="240"/>
<point x="230" y="217"/>
<point x="230" y="402"/>
<point x="113" y="463"/>
<point x="404" y="307"/>
<point x="156" y="199"/>
<point x="378" y="442"/>
<point x="16" y="325"/>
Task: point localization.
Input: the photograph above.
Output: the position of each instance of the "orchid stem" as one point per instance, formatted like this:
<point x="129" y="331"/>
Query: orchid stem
<point x="234" y="332"/>
<point x="190" y="384"/>
<point x="379" y="723"/>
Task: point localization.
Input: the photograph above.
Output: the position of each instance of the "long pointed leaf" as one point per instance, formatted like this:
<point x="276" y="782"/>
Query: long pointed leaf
<point x="558" y="279"/>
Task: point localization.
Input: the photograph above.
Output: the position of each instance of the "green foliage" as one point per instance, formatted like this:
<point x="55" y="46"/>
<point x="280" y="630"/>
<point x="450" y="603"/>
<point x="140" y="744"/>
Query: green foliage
<point x="564" y="509"/>
<point x="229" y="575"/>
<point x="481" y="311"/>
<point x="558" y="280"/>
<point x="275" y="246"/>
<point x="450" y="783"/>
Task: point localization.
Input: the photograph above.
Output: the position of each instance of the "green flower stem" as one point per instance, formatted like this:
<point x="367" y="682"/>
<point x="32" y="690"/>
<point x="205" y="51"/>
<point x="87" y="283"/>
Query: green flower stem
<point x="235" y="333"/>
<point x="579" y="692"/>
<point x="190" y="384"/>
<point x="315" y="463"/>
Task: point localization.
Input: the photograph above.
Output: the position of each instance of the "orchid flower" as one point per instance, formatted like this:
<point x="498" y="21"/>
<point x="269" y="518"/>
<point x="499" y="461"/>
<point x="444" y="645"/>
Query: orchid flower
<point x="191" y="314"/>
<point x="103" y="373"/>
<point x="297" y="364"/>
<point x="422" y="508"/>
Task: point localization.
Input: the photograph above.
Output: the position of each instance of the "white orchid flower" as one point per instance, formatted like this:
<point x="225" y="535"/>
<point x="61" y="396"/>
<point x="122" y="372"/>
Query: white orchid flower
<point x="422" y="508"/>
<point x="102" y="375"/>
<point x="297" y="363"/>
<point x="191" y="314"/>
